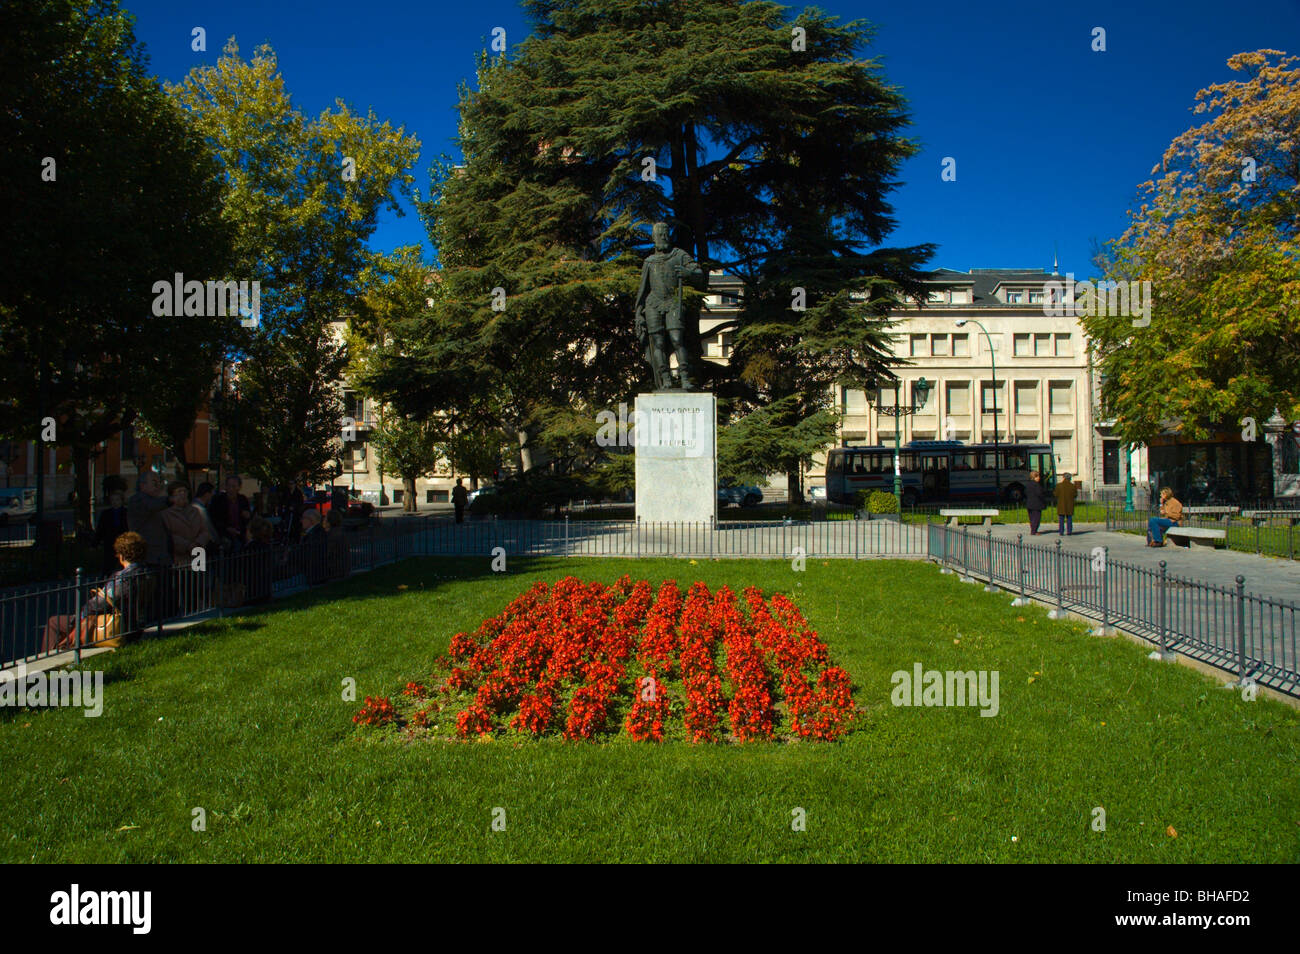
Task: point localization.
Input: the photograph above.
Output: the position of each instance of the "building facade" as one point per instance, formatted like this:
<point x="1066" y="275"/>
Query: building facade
<point x="1029" y="379"/>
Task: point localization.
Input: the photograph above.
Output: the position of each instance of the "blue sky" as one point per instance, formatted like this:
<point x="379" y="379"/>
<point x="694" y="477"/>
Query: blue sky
<point x="1050" y="138"/>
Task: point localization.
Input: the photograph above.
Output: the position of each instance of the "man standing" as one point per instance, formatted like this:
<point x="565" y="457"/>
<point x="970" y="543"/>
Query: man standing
<point x="144" y="516"/>
<point x="1065" y="494"/>
<point x="230" y="514"/>
<point x="458" y="498"/>
<point x="660" y="325"/>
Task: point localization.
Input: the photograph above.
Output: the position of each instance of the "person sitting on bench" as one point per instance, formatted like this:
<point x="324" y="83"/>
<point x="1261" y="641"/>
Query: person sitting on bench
<point x="121" y="595"/>
<point x="1171" y="515"/>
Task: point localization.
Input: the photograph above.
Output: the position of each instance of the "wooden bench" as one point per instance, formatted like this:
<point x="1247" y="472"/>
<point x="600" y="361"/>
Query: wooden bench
<point x="1258" y="517"/>
<point x="988" y="515"/>
<point x="1198" y="536"/>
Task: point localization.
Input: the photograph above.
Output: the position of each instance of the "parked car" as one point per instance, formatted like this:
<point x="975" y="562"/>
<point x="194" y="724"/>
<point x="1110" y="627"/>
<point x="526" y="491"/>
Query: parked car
<point x="817" y="494"/>
<point x="17" y="503"/>
<point x="742" y="495"/>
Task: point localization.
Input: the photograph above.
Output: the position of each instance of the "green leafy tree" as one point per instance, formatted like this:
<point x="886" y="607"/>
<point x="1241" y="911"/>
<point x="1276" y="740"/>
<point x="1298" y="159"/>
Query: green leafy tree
<point x="770" y="162"/>
<point x="107" y="189"/>
<point x="303" y="196"/>
<point x="408" y="449"/>
<point x="1218" y="238"/>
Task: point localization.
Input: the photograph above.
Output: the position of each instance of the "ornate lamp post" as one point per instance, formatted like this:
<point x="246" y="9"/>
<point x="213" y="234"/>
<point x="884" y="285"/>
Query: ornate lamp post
<point x="920" y="391"/>
<point x="993" y="367"/>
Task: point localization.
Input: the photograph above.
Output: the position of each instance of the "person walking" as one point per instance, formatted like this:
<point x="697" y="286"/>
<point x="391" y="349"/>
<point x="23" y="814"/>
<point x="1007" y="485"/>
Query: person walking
<point x="1035" y="501"/>
<point x="1171" y="515"/>
<point x="459" y="496"/>
<point x="1065" y="494"/>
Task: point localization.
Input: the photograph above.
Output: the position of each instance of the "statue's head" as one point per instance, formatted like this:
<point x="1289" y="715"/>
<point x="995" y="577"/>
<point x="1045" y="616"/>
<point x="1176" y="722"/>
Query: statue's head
<point x="660" y="232"/>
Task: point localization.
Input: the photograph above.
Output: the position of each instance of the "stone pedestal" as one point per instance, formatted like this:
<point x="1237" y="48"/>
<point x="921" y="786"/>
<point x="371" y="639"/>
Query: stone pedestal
<point x="675" y="441"/>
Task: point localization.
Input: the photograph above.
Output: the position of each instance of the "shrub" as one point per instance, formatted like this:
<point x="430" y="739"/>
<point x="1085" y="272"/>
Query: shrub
<point x="878" y="501"/>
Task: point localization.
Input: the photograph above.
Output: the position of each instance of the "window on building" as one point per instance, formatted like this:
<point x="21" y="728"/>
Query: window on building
<point x="1026" y="397"/>
<point x="1061" y="397"/>
<point x="1110" y="462"/>
<point x="1015" y="296"/>
<point x="436" y="496"/>
<point x="991" y="396"/>
<point x="961" y="346"/>
<point x="961" y="297"/>
<point x="398" y="495"/>
<point x="938" y="297"/>
<point x="939" y="346"/>
<point x="128" y="448"/>
<point x="885" y="397"/>
<point x="855" y="401"/>
<point x="918" y="346"/>
<point x="1063" y="454"/>
<point x="1021" y="345"/>
<point x="958" y="398"/>
<point x="1064" y="346"/>
<point x="1042" y="345"/>
<point x="1035" y="298"/>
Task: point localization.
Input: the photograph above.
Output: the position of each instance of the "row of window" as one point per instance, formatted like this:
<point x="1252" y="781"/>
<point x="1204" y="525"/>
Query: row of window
<point x="1060" y="398"/>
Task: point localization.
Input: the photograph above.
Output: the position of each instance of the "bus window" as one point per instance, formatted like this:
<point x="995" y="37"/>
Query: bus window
<point x="1013" y="459"/>
<point x="835" y="462"/>
<point x="963" y="461"/>
<point x="987" y="460"/>
<point x="1042" y="462"/>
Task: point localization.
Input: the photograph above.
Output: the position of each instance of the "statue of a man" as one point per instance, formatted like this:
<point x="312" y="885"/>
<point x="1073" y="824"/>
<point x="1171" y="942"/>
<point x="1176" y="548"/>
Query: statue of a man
<point x="660" y="324"/>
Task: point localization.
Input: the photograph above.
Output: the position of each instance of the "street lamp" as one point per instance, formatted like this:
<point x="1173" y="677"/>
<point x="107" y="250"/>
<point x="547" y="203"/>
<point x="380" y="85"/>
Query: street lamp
<point x="920" y="391"/>
<point x="993" y="366"/>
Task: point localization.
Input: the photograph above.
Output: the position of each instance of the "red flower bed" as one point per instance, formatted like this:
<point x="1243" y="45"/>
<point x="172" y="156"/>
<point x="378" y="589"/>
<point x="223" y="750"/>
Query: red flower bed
<point x="582" y="659"/>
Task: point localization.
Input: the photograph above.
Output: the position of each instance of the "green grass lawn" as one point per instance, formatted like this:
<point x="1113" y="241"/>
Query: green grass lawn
<point x="244" y="718"/>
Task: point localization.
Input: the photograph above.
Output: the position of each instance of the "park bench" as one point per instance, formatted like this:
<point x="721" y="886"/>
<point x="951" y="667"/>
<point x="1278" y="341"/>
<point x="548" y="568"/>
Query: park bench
<point x="955" y="514"/>
<point x="1258" y="517"/>
<point x="1198" y="536"/>
<point x="1223" y="513"/>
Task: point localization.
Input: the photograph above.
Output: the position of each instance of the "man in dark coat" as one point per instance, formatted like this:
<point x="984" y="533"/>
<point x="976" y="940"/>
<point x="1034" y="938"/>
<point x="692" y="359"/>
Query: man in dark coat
<point x="230" y="513"/>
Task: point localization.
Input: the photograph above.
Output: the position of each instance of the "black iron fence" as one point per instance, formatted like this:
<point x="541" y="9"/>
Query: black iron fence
<point x="1246" y="634"/>
<point x="40" y="620"/>
<point x="1264" y="527"/>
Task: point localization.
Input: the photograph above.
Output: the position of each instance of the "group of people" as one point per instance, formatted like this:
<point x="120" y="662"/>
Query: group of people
<point x="172" y="524"/>
<point x="154" y="538"/>
<point x="1065" y="494"/>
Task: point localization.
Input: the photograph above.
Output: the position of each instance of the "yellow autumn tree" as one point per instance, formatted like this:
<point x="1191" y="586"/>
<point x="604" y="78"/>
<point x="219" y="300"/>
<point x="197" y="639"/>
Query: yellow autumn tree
<point x="1218" y="236"/>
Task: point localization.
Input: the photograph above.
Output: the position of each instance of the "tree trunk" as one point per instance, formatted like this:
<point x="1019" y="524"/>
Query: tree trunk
<point x="408" y="495"/>
<point x="81" y="481"/>
<point x="792" y="486"/>
<point x="525" y="454"/>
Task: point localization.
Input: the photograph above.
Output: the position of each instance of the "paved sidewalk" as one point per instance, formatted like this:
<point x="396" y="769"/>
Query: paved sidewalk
<point x="1265" y="576"/>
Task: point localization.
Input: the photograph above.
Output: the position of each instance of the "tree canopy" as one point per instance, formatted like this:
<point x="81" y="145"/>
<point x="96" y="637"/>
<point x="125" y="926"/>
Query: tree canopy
<point x="107" y="190"/>
<point x="764" y="139"/>
<point x="1218" y="236"/>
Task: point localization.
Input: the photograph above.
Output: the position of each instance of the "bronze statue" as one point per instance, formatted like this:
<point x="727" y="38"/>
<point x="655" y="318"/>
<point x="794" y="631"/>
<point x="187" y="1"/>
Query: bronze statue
<point x="660" y="322"/>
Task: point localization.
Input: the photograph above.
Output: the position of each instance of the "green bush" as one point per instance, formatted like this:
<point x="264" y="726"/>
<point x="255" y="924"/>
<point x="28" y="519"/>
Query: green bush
<point x="878" y="501"/>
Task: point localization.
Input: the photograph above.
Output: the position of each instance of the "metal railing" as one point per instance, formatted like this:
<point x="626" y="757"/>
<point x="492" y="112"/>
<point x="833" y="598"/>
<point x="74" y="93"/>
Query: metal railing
<point x="1242" y="633"/>
<point x="1276" y="535"/>
<point x="33" y="617"/>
